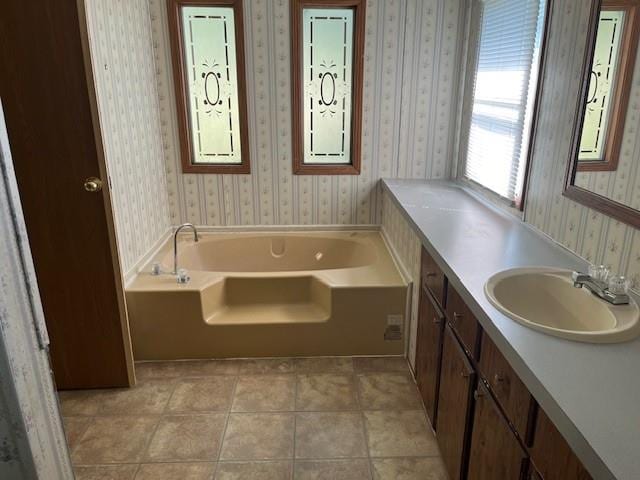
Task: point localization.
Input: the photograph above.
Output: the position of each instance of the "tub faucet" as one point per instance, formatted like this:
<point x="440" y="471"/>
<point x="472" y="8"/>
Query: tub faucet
<point x="175" y="243"/>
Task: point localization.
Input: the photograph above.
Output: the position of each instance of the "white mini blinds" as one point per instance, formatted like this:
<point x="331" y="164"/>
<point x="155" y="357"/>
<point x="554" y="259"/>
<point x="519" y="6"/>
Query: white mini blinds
<point x="503" y="97"/>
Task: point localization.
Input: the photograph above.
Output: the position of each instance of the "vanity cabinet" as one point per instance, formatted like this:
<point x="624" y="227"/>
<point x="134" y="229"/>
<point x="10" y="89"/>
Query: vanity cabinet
<point x="495" y="451"/>
<point x="487" y="423"/>
<point x="551" y="454"/>
<point x="457" y="380"/>
<point x="432" y="278"/>
<point x="428" y="352"/>
<point x="507" y="388"/>
<point x="463" y="322"/>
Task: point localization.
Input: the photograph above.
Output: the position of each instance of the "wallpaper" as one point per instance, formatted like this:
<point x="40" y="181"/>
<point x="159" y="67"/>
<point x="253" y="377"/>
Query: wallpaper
<point x="623" y="184"/>
<point x="32" y="442"/>
<point x="407" y="248"/>
<point x="593" y="236"/>
<point x="412" y="52"/>
<point x="124" y="75"/>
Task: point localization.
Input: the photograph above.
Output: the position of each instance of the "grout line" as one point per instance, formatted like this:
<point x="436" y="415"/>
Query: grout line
<point x="365" y="432"/>
<point x="226" y="424"/>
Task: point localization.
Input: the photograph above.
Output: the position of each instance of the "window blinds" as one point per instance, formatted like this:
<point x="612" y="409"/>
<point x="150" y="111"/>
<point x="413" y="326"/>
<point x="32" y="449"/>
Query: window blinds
<point x="503" y="94"/>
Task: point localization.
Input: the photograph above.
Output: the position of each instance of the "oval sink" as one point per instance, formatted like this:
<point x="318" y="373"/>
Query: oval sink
<point x="545" y="299"/>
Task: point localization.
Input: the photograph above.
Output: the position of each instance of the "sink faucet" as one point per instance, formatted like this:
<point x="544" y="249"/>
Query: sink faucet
<point x="175" y="243"/>
<point x="598" y="288"/>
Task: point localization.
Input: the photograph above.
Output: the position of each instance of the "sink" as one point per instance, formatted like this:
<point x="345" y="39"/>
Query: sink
<point x="544" y="299"/>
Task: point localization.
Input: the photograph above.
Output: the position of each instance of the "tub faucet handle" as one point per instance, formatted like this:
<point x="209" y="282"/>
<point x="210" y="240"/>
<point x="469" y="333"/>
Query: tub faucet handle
<point x="183" y="276"/>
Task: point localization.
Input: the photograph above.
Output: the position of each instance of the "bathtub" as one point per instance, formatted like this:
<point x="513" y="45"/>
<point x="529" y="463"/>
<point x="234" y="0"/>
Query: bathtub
<point x="270" y="294"/>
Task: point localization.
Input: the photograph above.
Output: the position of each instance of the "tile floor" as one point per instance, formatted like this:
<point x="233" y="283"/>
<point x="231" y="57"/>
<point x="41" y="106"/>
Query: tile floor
<point x="268" y="419"/>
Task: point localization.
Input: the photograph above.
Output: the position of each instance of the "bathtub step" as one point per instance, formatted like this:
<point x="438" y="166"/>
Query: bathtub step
<point x="269" y="313"/>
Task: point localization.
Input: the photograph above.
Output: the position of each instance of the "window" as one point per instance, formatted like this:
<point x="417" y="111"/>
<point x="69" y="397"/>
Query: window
<point x="614" y="57"/>
<point x="327" y="61"/>
<point x="504" y="95"/>
<point x="208" y="63"/>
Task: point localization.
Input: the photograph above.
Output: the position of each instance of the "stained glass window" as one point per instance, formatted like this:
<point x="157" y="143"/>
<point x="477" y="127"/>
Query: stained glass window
<point x="602" y="85"/>
<point x="327" y="73"/>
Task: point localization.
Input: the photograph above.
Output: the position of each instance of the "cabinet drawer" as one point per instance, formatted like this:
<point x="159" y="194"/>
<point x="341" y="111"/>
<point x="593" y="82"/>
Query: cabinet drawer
<point x="463" y="322"/>
<point x="552" y="455"/>
<point x="457" y="380"/>
<point x="495" y="451"/>
<point x="428" y="353"/>
<point x="432" y="278"/>
<point x="511" y="393"/>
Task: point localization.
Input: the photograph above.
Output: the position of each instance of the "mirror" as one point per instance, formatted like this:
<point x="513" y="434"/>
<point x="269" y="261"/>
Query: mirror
<point x="604" y="168"/>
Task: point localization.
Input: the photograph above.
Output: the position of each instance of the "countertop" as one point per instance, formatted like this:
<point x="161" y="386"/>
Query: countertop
<point x="590" y="391"/>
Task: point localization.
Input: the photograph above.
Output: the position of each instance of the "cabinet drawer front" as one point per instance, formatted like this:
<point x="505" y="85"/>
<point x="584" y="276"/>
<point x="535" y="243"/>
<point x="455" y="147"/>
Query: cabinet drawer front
<point x="511" y="393"/>
<point x="428" y="353"/>
<point x="432" y="278"/>
<point x="457" y="379"/>
<point x="463" y="322"/>
<point x="552" y="455"/>
<point x="495" y="451"/>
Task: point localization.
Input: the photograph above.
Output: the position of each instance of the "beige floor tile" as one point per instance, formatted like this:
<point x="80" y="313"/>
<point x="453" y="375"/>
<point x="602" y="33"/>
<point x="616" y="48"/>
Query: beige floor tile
<point x="324" y="365"/>
<point x="395" y="391"/>
<point x="176" y="471"/>
<point x="330" y="435"/>
<point x="74" y="427"/>
<point x="186" y="368"/>
<point x="380" y="364"/>
<point x="356" y="469"/>
<point x="258" y="436"/>
<point x="187" y="438"/>
<point x="273" y="470"/>
<point x="80" y="402"/>
<point x="204" y="394"/>
<point x="114" y="440"/>
<point x="268" y="393"/>
<point x="409" y="469"/>
<point x="146" y="398"/>
<point x="106" y="472"/>
<point x="399" y="434"/>
<point x="252" y="366"/>
<point x="326" y="391"/>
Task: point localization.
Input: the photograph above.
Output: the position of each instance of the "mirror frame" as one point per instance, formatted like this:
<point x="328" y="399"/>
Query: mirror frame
<point x="581" y="195"/>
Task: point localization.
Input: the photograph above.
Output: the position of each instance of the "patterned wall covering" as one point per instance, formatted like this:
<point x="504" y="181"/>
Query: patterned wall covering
<point x="124" y="73"/>
<point x="407" y="248"/>
<point x="591" y="235"/>
<point x="412" y="51"/>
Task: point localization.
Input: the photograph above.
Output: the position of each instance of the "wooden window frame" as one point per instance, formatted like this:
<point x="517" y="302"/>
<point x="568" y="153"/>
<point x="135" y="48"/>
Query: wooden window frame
<point x="299" y="167"/>
<point x="622" y="88"/>
<point x="181" y="92"/>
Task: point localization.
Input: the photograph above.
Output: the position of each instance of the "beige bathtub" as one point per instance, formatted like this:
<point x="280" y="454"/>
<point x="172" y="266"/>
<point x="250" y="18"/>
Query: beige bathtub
<point x="271" y="294"/>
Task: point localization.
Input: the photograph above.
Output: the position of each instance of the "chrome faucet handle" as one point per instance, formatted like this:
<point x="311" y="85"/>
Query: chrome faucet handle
<point x="579" y="278"/>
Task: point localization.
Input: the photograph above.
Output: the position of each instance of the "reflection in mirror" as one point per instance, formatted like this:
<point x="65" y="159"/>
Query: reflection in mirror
<point x="604" y="172"/>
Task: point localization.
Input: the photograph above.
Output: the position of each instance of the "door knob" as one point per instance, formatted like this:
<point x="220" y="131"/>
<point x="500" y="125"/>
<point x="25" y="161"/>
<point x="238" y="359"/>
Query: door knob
<point x="93" y="184"/>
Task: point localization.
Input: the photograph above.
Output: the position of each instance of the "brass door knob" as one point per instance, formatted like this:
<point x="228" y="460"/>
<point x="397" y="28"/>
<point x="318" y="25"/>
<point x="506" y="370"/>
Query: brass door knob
<point x="93" y="184"/>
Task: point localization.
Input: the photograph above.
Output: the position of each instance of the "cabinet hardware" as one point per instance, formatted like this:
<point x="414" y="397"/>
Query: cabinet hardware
<point x="457" y="316"/>
<point x="498" y="379"/>
<point x="436" y="321"/>
<point x="430" y="274"/>
<point x="465" y="374"/>
<point x="478" y="394"/>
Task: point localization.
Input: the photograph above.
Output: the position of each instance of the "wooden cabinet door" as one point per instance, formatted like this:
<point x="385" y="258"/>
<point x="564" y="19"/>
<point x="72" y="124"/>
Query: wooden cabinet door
<point x="495" y="452"/>
<point x="454" y="405"/>
<point x="428" y="353"/>
<point x="552" y="455"/>
<point x="432" y="278"/>
<point x="463" y="322"/>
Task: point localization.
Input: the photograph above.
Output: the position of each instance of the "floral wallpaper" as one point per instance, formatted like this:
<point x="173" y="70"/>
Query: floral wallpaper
<point x="412" y="53"/>
<point x="593" y="236"/>
<point x="407" y="248"/>
<point x="124" y="76"/>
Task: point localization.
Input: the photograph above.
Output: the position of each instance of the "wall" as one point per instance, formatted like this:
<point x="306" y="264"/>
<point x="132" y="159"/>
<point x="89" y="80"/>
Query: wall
<point x="412" y="51"/>
<point x="593" y="236"/>
<point x="32" y="442"/>
<point x="124" y="73"/>
<point x="407" y="248"/>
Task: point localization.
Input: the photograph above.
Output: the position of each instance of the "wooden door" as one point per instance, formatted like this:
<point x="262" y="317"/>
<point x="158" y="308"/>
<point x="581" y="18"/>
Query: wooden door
<point x="428" y="353"/>
<point x="495" y="451"/>
<point x="454" y="405"/>
<point x="49" y="108"/>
